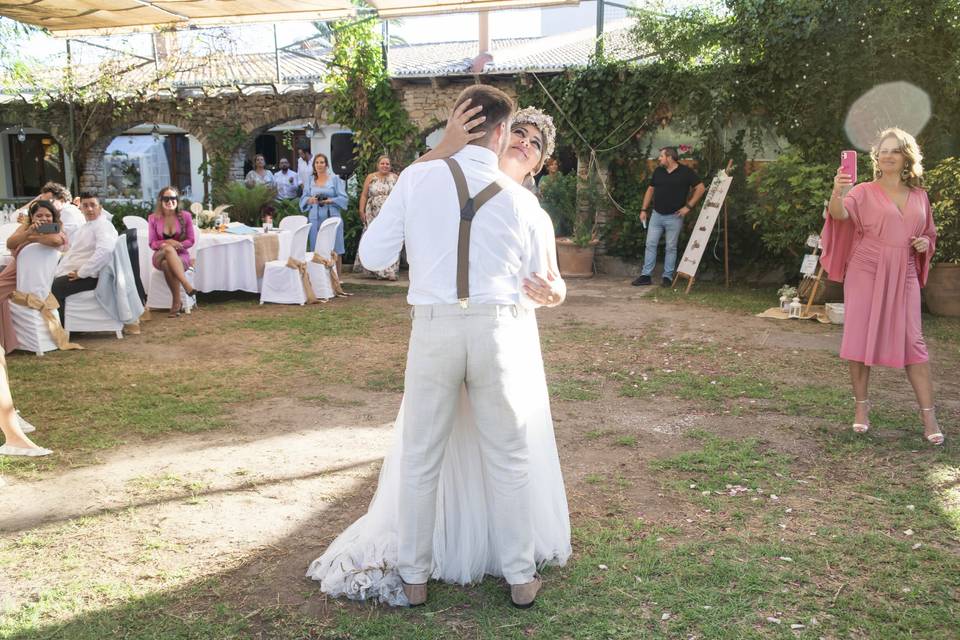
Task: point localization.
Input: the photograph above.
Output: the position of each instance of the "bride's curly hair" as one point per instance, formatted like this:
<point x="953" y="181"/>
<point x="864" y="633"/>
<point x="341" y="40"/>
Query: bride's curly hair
<point x="543" y="122"/>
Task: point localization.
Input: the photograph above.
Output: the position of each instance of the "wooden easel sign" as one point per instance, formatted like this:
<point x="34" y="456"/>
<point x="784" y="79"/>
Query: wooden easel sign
<point x="700" y="237"/>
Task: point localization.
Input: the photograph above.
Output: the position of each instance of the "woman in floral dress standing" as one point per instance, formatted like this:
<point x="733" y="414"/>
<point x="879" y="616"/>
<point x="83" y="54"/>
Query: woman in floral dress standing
<point x="376" y="188"/>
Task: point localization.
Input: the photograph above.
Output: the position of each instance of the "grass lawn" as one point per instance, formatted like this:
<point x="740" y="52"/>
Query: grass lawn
<point x="716" y="490"/>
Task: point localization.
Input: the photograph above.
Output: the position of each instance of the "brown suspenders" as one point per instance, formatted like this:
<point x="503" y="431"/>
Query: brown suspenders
<point x="468" y="209"/>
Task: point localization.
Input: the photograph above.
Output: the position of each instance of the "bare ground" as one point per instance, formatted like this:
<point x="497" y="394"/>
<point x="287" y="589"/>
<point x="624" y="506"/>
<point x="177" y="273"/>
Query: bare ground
<point x="254" y="502"/>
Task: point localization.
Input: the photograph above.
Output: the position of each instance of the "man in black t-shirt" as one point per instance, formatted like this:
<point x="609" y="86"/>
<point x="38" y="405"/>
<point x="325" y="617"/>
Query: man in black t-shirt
<point x="675" y="190"/>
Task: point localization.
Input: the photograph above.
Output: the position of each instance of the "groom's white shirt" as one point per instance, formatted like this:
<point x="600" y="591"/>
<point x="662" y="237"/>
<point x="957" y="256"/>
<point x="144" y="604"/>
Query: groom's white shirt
<point x="509" y="239"/>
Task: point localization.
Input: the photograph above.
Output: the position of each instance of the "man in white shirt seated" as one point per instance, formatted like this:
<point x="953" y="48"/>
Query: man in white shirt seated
<point x="70" y="216"/>
<point x="288" y="182"/>
<point x="88" y="251"/>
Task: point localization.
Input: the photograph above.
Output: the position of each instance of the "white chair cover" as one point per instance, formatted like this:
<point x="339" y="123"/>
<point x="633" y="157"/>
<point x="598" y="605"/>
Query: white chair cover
<point x="7" y="229"/>
<point x="292" y="223"/>
<point x="319" y="274"/>
<point x="85" y="313"/>
<point x="281" y="284"/>
<point x="136" y="222"/>
<point x="36" y="264"/>
<point x="158" y="293"/>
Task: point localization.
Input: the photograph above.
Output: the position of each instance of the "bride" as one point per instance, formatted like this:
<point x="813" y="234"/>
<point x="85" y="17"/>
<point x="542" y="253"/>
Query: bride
<point x="361" y="563"/>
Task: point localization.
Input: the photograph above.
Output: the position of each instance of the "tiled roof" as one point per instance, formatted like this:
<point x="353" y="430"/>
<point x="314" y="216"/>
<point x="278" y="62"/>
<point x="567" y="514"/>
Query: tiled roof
<point x="552" y="53"/>
<point x="309" y="66"/>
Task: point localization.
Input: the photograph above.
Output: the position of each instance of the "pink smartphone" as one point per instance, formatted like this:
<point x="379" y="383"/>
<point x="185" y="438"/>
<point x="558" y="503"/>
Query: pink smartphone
<point x="848" y="163"/>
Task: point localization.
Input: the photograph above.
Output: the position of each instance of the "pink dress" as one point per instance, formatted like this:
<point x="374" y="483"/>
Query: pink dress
<point x="870" y="253"/>
<point x="157" y="236"/>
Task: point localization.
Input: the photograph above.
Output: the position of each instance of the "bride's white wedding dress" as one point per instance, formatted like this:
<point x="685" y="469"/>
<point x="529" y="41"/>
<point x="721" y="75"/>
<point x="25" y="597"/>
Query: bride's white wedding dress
<point x="362" y="562"/>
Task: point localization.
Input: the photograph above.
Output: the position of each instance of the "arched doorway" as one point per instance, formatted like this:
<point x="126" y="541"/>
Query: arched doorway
<point x="30" y="157"/>
<point x="149" y="156"/>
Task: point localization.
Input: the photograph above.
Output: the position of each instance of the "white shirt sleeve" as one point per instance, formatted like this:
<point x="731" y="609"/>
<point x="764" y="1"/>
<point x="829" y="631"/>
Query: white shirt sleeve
<point x="542" y="256"/>
<point x="381" y="243"/>
<point x="106" y="238"/>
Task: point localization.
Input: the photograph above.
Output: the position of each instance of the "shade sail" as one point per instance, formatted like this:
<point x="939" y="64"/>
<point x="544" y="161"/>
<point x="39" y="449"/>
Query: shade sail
<point x="399" y="8"/>
<point x="103" y="17"/>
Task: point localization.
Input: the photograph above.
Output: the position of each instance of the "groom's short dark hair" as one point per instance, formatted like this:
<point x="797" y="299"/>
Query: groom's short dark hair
<point x="497" y="107"/>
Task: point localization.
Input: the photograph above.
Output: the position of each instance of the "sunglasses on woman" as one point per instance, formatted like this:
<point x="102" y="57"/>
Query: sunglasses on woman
<point x="169" y="198"/>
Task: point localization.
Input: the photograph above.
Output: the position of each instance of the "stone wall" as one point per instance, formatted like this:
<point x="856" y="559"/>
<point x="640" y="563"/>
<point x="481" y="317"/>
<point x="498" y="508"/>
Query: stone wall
<point x="206" y="117"/>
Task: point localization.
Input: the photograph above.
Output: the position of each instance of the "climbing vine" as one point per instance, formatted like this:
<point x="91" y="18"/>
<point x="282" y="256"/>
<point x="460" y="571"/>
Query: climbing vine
<point x="363" y="100"/>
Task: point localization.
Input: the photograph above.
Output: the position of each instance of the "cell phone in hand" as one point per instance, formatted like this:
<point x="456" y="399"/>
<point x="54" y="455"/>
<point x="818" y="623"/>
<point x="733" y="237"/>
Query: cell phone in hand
<point x="50" y="227"/>
<point x="848" y="164"/>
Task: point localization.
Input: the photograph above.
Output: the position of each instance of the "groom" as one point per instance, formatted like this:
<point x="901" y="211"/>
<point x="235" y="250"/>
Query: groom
<point x="468" y="259"/>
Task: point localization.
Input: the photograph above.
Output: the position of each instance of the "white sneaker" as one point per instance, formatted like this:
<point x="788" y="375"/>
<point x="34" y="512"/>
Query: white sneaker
<point x="25" y="426"/>
<point x="7" y="450"/>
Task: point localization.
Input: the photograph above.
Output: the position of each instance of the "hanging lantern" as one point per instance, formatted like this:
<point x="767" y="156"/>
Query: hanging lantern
<point x="310" y="129"/>
<point x="22" y="135"/>
<point x="155" y="132"/>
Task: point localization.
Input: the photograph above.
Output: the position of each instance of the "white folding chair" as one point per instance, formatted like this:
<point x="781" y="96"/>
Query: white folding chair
<point x="292" y="223"/>
<point x="281" y="284"/>
<point x="36" y="265"/>
<point x="320" y="276"/>
<point x="85" y="313"/>
<point x="7" y="229"/>
<point x="158" y="293"/>
<point x="136" y="222"/>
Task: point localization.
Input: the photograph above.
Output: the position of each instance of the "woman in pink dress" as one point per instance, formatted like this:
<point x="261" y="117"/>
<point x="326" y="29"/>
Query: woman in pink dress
<point x="878" y="241"/>
<point x="171" y="235"/>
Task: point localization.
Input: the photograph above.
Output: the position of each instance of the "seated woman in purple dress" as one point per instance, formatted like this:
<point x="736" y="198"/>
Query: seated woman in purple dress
<point x="878" y="241"/>
<point x="171" y="235"/>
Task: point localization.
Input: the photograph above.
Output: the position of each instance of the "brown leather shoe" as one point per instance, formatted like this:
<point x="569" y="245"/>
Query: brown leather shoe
<point x="416" y="593"/>
<point x="522" y="596"/>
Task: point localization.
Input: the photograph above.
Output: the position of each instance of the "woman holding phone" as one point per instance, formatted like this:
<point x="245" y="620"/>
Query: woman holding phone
<point x="42" y="226"/>
<point x="878" y="240"/>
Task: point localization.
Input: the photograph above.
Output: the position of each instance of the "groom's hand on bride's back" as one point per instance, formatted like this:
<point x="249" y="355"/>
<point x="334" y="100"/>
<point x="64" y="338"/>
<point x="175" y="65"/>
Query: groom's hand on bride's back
<point x="548" y="291"/>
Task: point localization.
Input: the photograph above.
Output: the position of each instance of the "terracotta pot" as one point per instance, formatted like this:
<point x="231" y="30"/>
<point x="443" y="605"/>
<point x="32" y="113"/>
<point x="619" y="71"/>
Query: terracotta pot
<point x="942" y="293"/>
<point x="574" y="261"/>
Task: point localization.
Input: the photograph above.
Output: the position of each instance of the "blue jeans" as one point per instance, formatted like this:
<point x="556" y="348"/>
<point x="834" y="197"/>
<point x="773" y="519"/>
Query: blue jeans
<point x="670" y="224"/>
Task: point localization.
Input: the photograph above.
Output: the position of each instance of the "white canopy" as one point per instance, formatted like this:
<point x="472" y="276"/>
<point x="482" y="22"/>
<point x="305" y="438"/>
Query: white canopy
<point x="103" y="17"/>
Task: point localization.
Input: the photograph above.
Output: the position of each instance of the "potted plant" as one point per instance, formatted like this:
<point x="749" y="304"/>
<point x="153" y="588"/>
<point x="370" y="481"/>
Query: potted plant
<point x="576" y="249"/>
<point x="942" y="293"/>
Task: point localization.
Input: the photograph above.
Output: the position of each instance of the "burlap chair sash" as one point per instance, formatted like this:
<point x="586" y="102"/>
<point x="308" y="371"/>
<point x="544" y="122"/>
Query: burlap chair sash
<point x="48" y="311"/>
<point x="330" y="263"/>
<point x="301" y="266"/>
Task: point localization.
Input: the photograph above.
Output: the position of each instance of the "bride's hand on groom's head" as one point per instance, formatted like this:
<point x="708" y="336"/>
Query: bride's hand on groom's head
<point x="459" y="131"/>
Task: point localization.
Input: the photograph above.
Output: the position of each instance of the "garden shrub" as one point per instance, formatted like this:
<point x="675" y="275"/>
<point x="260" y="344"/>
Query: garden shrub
<point x="559" y="199"/>
<point x="943" y="187"/>
<point x="245" y="202"/>
<point x="787" y="205"/>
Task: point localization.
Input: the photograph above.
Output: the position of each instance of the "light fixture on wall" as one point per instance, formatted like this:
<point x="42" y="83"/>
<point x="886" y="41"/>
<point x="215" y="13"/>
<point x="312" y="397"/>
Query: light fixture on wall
<point x="310" y="129"/>
<point x="22" y="135"/>
<point x="155" y="132"/>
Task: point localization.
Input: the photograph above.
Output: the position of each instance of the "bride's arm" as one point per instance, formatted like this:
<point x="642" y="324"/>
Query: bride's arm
<point x="457" y="133"/>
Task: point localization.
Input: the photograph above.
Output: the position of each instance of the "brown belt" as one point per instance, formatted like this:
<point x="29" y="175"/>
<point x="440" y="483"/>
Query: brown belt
<point x="468" y="209"/>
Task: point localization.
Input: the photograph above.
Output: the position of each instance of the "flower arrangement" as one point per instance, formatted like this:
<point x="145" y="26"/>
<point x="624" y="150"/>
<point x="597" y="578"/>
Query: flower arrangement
<point x="207" y="218"/>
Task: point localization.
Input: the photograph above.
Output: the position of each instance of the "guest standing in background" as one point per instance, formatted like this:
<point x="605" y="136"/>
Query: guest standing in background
<point x="878" y="240"/>
<point x="325" y="196"/>
<point x="287" y="182"/>
<point x="304" y="167"/>
<point x="171" y="236"/>
<point x="376" y="187"/>
<point x="259" y="174"/>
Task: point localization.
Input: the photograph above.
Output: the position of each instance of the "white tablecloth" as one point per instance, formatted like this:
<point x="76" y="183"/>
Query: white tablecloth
<point x="225" y="262"/>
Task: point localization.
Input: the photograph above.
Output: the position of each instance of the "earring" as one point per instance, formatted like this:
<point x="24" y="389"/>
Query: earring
<point x="905" y="175"/>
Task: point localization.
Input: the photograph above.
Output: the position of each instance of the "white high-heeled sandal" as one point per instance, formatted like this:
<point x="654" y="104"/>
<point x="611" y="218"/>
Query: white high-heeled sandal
<point x="936" y="439"/>
<point x="861" y="427"/>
